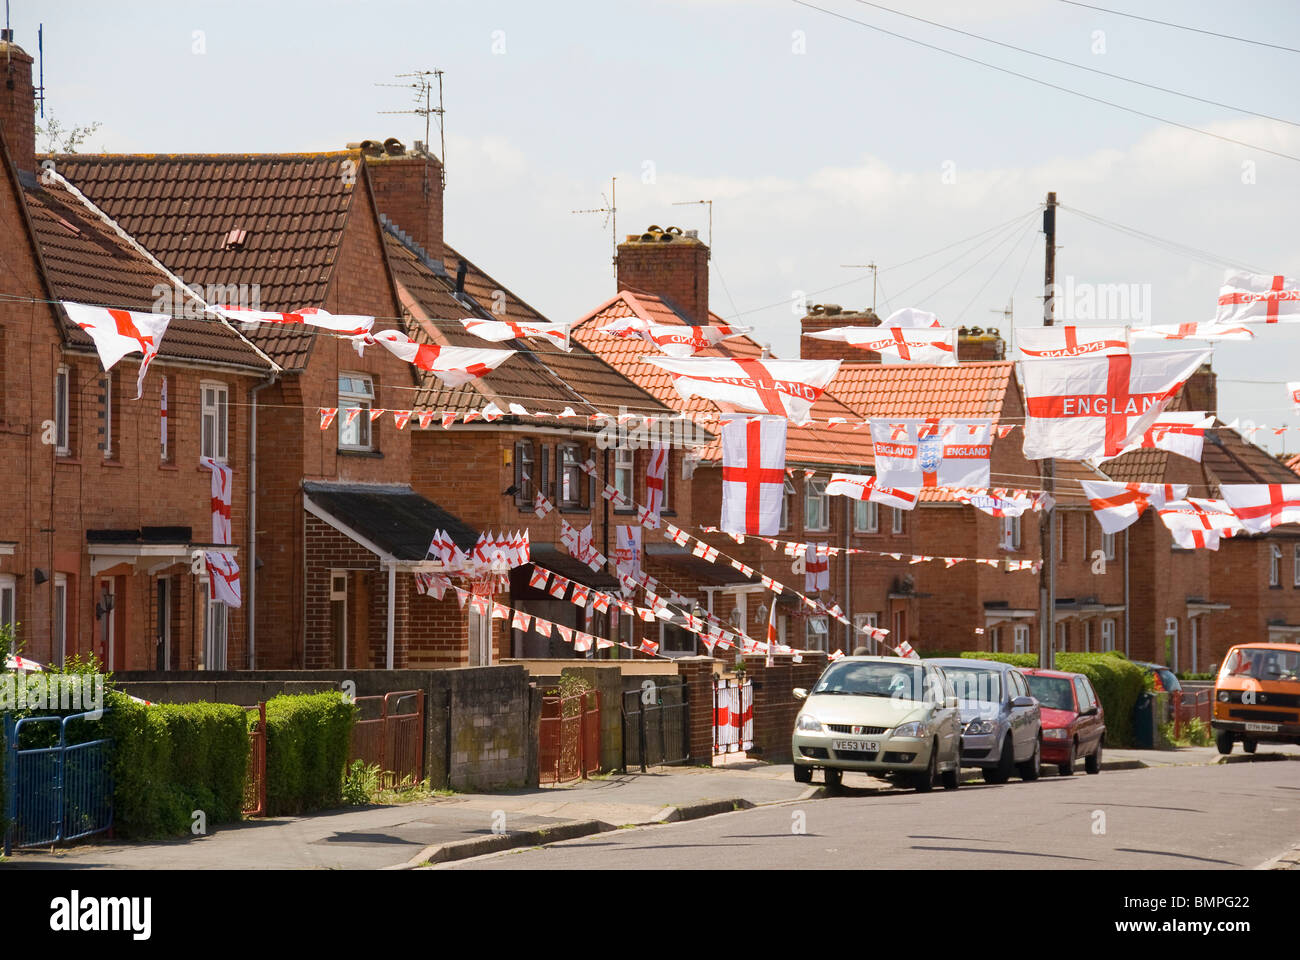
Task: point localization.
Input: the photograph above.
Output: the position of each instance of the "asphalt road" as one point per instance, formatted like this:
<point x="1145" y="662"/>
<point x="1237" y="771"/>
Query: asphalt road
<point x="1203" y="817"/>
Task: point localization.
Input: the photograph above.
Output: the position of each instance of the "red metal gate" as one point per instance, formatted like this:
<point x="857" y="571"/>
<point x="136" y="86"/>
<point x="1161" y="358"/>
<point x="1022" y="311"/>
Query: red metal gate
<point x="255" y="782"/>
<point x="1191" y="704"/>
<point x="390" y="735"/>
<point x="733" y="715"/>
<point x="568" y="738"/>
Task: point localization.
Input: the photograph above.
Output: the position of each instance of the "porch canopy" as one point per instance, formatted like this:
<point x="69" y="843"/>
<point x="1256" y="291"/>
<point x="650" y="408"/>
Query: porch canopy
<point x="148" y="550"/>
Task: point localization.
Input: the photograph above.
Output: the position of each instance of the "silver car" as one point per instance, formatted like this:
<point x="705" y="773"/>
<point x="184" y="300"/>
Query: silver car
<point x="1002" y="730"/>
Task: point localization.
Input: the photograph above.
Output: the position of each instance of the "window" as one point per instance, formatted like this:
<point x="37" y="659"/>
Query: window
<point x="817" y="514"/>
<point x="866" y="516"/>
<point x="8" y="602"/>
<point x="1083" y="538"/>
<point x="1083" y="694"/>
<point x="355" y="391"/>
<point x="1058" y="529"/>
<point x="1021" y="638"/>
<point x="1295" y="567"/>
<point x="544" y="482"/>
<point x="339" y="617"/>
<point x="995" y="638"/>
<point x="1108" y="545"/>
<point x="786" y="501"/>
<point x="1087" y="636"/>
<point x="59" y="619"/>
<point x="899" y="633"/>
<point x="214" y="632"/>
<point x="1107" y="635"/>
<point x="1010" y="533"/>
<point x="624" y="461"/>
<point x="164" y="418"/>
<point x="817" y="632"/>
<point x="214" y="399"/>
<point x="1274" y="565"/>
<point x="525" y="470"/>
<point x="108" y="384"/>
<point x="570" y="476"/>
<point x="1062" y="637"/>
<point x="861" y="621"/>
<point x="896" y="523"/>
<point x="675" y="641"/>
<point x="62" y="412"/>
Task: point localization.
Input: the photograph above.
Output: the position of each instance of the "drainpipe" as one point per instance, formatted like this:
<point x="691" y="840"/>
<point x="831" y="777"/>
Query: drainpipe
<point x="392" y="612"/>
<point x="849" y="639"/>
<point x="1126" y="596"/>
<point x="251" y="615"/>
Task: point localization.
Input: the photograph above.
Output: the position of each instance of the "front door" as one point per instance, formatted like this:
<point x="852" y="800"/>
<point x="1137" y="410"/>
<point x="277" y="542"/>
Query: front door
<point x="163" y="658"/>
<point x="106" y="599"/>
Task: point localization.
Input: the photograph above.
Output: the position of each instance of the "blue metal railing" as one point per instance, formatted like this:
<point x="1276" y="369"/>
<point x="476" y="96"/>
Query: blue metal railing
<point x="56" y="793"/>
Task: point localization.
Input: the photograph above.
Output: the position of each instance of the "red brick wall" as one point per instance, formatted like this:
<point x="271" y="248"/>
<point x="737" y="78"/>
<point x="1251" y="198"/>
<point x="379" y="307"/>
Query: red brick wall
<point x="408" y="190"/>
<point x="677" y="270"/>
<point x="17" y="118"/>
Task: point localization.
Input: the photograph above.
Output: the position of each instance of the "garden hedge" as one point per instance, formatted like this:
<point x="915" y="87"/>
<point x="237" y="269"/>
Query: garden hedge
<point x="171" y="759"/>
<point x="307" y="742"/>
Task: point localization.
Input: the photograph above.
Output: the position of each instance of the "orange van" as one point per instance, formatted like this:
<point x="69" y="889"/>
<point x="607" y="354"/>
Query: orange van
<point x="1257" y="696"/>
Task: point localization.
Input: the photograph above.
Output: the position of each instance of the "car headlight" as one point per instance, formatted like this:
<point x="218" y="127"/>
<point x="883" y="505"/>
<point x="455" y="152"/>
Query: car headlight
<point x="914" y="729"/>
<point x="980" y="725"/>
<point x="1224" y="696"/>
<point x="807" y="723"/>
<point x="1060" y="733"/>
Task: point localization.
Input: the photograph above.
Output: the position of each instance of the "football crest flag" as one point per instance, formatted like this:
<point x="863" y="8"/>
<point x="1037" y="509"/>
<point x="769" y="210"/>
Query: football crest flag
<point x="932" y="453"/>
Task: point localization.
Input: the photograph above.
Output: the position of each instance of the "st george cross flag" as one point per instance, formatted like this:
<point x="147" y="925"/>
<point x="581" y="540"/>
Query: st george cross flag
<point x="997" y="503"/>
<point x="221" y="484"/>
<point x="496" y="331"/>
<point x="1180" y="433"/>
<point x="1262" y="506"/>
<point x="1256" y="298"/>
<point x="1196" y="523"/>
<point x="627" y="551"/>
<point x="1089" y="407"/>
<point x="899" y="344"/>
<point x="1118" y="505"/>
<point x="861" y="487"/>
<point x="119" y="332"/>
<point x="784" y="388"/>
<point x="223" y="575"/>
<point x="817" y="568"/>
<point x="910" y="318"/>
<point x="753" y="474"/>
<point x="656" y="479"/>
<point x="1192" y="331"/>
<point x="452" y="365"/>
<point x="344" y="325"/>
<point x="1062" y="343"/>
<point x="932" y="453"/>
<point x="679" y="340"/>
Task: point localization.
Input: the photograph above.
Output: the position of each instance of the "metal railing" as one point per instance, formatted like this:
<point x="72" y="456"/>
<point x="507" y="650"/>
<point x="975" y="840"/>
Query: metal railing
<point x="59" y="792"/>
<point x="655" y="733"/>
<point x="394" y="739"/>
<point x="255" y="782"/>
<point x="568" y="737"/>
<point x="1189" y="705"/>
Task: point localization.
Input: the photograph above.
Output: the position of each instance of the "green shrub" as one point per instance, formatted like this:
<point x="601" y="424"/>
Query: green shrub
<point x="171" y="759"/>
<point x="307" y="742"/>
<point x="362" y="783"/>
<point x="1118" y="683"/>
<point x="1022" y="660"/>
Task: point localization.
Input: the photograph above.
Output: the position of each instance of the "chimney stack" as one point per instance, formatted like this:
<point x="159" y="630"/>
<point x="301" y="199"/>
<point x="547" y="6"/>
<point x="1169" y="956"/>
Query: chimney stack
<point x="18" y="104"/>
<point x="407" y="185"/>
<point x="827" y="316"/>
<point x="975" y="344"/>
<point x="670" y="264"/>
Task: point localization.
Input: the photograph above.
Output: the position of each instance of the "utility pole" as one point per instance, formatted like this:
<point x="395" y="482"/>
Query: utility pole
<point x="1047" y="527"/>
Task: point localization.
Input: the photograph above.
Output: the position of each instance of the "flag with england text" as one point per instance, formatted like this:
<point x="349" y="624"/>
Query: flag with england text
<point x="783" y="388"/>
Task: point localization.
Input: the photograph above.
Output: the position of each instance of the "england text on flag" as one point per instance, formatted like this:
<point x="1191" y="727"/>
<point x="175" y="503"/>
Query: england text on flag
<point x="783" y="388"/>
<point x="936" y="346"/>
<point x="1258" y="298"/>
<point x="1062" y="343"/>
<point x="911" y="452"/>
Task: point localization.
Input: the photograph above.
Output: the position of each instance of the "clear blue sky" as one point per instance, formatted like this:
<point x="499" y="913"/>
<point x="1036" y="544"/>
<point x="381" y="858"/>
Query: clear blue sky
<point x="833" y="155"/>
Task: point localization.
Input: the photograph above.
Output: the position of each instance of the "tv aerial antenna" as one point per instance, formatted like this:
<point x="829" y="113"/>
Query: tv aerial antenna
<point x="609" y="219"/>
<point x="421" y="83"/>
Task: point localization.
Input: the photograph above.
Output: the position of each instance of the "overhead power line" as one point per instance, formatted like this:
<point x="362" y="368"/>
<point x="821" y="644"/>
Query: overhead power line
<point x="1079" y="66"/>
<point x="1047" y="83"/>
<point x="1181" y="26"/>
<point x="1195" y="253"/>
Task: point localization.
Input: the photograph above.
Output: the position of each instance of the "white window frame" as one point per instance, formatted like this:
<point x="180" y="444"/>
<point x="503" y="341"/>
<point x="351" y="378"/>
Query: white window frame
<point x="787" y="491"/>
<point x="866" y="516"/>
<point x="625" y="474"/>
<point x="1010" y="534"/>
<point x="816" y="501"/>
<point x="1274" y="565"/>
<point x="339" y="594"/>
<point x="995" y="637"/>
<point x="106" y="381"/>
<point x="63" y="411"/>
<point x="480" y="638"/>
<point x="1087" y="633"/>
<point x="214" y="411"/>
<point x="9" y="602"/>
<point x="1107" y="635"/>
<point x="896" y="520"/>
<point x="569" y="494"/>
<point x="59" y="619"/>
<point x="216" y="630"/>
<point x="351" y="396"/>
<point x="817" y="633"/>
<point x="1020" y="636"/>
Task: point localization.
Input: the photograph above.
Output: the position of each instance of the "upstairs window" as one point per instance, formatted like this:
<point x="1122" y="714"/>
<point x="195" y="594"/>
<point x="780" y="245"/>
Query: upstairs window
<point x="624" y="461"/>
<point x="817" y="514"/>
<point x="897" y="524"/>
<point x="213" y="412"/>
<point x="786" y="501"/>
<point x="866" y="516"/>
<point x="570" y="476"/>
<point x="63" y="412"/>
<point x="525" y="474"/>
<point x="356" y="391"/>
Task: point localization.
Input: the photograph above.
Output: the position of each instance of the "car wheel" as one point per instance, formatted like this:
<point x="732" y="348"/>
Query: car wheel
<point x="952" y="778"/>
<point x="1092" y="762"/>
<point x="1223" y="740"/>
<point x="924" y="782"/>
<point x="1248" y="746"/>
<point x="833" y="778"/>
<point x="1066" y="769"/>
<point x="1030" y="769"/>
<point x="802" y="774"/>
<point x="1006" y="763"/>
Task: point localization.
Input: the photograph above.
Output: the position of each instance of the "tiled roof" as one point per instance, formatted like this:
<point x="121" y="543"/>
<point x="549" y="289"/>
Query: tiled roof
<point x="393" y="517"/>
<point x="87" y="261"/>
<point x="182" y="208"/>
<point x="817" y="443"/>
<point x="1293" y="464"/>
<point x="916" y="390"/>
<point x="1226" y="458"/>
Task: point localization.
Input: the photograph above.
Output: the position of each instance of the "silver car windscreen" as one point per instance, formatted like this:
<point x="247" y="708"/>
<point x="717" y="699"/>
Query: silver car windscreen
<point x="975" y="685"/>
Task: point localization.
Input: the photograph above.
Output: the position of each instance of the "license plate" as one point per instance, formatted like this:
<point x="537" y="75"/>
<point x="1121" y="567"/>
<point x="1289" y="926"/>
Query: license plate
<point x="860" y="746"/>
<point x="1261" y="728"/>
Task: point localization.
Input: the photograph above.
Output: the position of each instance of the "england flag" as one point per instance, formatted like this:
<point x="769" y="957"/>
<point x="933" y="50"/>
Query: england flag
<point x="1063" y="343"/>
<point x="783" y="388"/>
<point x="1199" y="524"/>
<point x="1256" y="298"/>
<point x="932" y="453"/>
<point x="1262" y="506"/>
<point x="1119" y="505"/>
<point x="937" y="346"/>
<point x="753" y="475"/>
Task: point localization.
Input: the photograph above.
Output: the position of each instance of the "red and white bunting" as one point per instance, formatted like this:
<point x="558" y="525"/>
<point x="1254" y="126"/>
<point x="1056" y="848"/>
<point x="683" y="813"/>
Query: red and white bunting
<point x="521" y="621"/>
<point x="649" y="646"/>
<point x="559" y="586"/>
<point x="542" y="506"/>
<point x="452" y="365"/>
<point x="500" y="611"/>
<point x="345" y="326"/>
<point x="116" y="333"/>
<point x="1064" y="343"/>
<point x="579" y="596"/>
<point x="1178" y="432"/>
<point x="1192" y="331"/>
<point x="905" y="650"/>
<point x="1119" y="505"/>
<point x="1093" y="407"/>
<point x="1262" y="506"/>
<point x="1199" y="524"/>
<point x="327" y="415"/>
<point x="783" y="388"/>
<point x="401" y="418"/>
<point x="497" y="331"/>
<point x="753" y="474"/>
<point x="646" y="517"/>
<point x="912" y="452"/>
<point x="1258" y="298"/>
<point x="937" y="346"/>
<point x="539" y="578"/>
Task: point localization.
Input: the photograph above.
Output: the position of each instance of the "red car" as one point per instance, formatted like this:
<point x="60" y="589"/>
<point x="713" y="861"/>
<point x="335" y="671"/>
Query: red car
<point x="1074" y="723"/>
